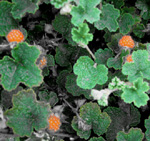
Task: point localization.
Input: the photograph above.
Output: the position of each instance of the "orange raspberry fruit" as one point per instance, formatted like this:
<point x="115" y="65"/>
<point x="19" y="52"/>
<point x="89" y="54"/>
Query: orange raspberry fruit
<point x="54" y="122"/>
<point x="43" y="62"/>
<point x="129" y="58"/>
<point x="126" y="41"/>
<point x="15" y="35"/>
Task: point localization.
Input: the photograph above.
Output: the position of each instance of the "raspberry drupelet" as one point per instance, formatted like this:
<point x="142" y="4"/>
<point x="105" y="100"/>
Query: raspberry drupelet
<point x="126" y="41"/>
<point x="129" y="58"/>
<point x="15" y="35"/>
<point x="54" y="123"/>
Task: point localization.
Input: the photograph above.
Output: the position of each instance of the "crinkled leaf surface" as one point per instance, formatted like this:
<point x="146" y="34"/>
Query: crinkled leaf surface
<point x="63" y="25"/>
<point x="108" y="18"/>
<point x="116" y="63"/>
<point x="88" y="75"/>
<point x="75" y="90"/>
<point x="119" y="121"/>
<point x="126" y="21"/>
<point x="136" y="93"/>
<point x="27" y="113"/>
<point x="85" y="11"/>
<point x="113" y="45"/>
<point x="97" y="139"/>
<point x="147" y="126"/>
<point x="7" y="22"/>
<point x="138" y="30"/>
<point x="103" y="55"/>
<point x="144" y="6"/>
<point x="21" y="68"/>
<point x="140" y="67"/>
<point x="81" y="34"/>
<point x="21" y="7"/>
<point x="91" y="114"/>
<point x="59" y="3"/>
<point x="133" y="134"/>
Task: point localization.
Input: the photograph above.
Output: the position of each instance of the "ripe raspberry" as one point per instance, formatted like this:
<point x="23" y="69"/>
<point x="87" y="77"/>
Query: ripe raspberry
<point x="126" y="41"/>
<point x="15" y="35"/>
<point x="129" y="58"/>
<point x="43" y="62"/>
<point x="54" y="122"/>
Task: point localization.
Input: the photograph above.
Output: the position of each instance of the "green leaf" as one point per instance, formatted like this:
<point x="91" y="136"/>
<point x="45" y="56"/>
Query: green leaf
<point x="103" y="55"/>
<point x="138" y="30"/>
<point x="21" y="7"/>
<point x="99" y="123"/>
<point x="133" y="134"/>
<point x="48" y="97"/>
<point x="58" y="3"/>
<point x="63" y="25"/>
<point x="108" y="19"/>
<point x="97" y="139"/>
<point x="21" y="68"/>
<point x="6" y="97"/>
<point x="88" y="75"/>
<point x="136" y="93"/>
<point x="85" y="11"/>
<point x="116" y="63"/>
<point x="81" y="34"/>
<point x="140" y="67"/>
<point x="75" y="90"/>
<point x="126" y="22"/>
<point x="147" y="126"/>
<point x="119" y="121"/>
<point x="144" y="6"/>
<point x="113" y="45"/>
<point x="7" y="22"/>
<point x="27" y="113"/>
<point x="50" y="60"/>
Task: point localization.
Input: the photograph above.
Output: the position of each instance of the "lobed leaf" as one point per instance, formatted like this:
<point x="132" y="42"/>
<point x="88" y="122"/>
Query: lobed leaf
<point x="21" y="7"/>
<point x="88" y="75"/>
<point x="7" y="22"/>
<point x="133" y="134"/>
<point x="81" y="34"/>
<point x="147" y="126"/>
<point x="108" y="19"/>
<point x="21" y="68"/>
<point x="136" y="93"/>
<point x="85" y="11"/>
<point x="27" y="113"/>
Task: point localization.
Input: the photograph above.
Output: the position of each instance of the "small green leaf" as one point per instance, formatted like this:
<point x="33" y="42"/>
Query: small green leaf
<point x="116" y="63"/>
<point x="50" y="60"/>
<point x="133" y="134"/>
<point x="97" y="139"/>
<point x="21" y="7"/>
<point x="58" y="3"/>
<point x="126" y="21"/>
<point x="48" y="97"/>
<point x="136" y="93"/>
<point x="81" y="34"/>
<point x="138" y="30"/>
<point x="75" y="90"/>
<point x="92" y="116"/>
<point x="144" y="6"/>
<point x="27" y="113"/>
<point x="21" y="68"/>
<point x="147" y="126"/>
<point x="108" y="18"/>
<point x="85" y="11"/>
<point x="103" y="55"/>
<point x="62" y="24"/>
<point x="88" y="75"/>
<point x="140" y="67"/>
<point x="7" y="22"/>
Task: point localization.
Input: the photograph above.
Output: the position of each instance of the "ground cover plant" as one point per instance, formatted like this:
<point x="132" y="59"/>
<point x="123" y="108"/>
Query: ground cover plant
<point x="74" y="70"/>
